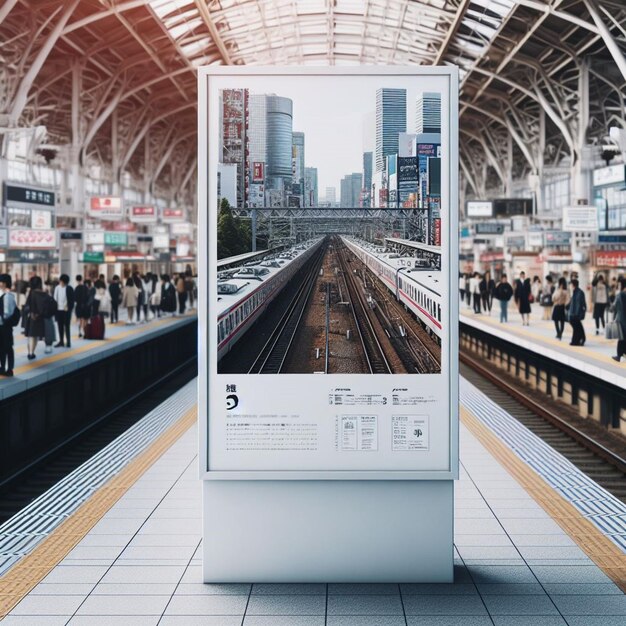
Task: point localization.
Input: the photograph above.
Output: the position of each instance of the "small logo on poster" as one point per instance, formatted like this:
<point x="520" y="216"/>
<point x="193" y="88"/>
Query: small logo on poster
<point x="231" y="402"/>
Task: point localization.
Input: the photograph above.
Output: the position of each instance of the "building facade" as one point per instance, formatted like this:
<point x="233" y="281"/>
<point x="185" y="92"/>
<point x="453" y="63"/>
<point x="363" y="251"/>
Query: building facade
<point x="390" y="122"/>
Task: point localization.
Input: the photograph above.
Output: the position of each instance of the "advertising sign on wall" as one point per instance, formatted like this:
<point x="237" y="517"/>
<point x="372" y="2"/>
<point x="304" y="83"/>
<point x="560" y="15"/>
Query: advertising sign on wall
<point x="479" y="208"/>
<point x="106" y="207"/>
<point x="25" y="238"/>
<point x="115" y="239"/>
<point x="4" y="237"/>
<point x="94" y="237"/>
<point x="580" y="218"/>
<point x="160" y="241"/>
<point x="41" y="219"/>
<point x="172" y="215"/>
<point x="181" y="228"/>
<point x="143" y="214"/>
<point x="258" y="172"/>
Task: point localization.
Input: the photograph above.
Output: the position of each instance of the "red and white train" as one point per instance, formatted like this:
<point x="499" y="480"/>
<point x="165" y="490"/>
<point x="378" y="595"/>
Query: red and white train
<point x="417" y="287"/>
<point x="245" y="292"/>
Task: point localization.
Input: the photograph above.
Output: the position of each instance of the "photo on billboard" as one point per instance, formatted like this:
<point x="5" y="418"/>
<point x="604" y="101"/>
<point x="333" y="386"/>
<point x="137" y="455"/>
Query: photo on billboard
<point x="297" y="292"/>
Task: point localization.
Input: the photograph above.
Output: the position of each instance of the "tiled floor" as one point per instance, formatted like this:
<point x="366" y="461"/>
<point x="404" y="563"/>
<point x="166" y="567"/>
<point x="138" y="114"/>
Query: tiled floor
<point x="141" y="565"/>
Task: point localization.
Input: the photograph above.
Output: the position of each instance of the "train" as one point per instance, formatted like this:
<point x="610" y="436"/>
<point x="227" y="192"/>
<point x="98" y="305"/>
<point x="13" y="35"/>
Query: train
<point x="244" y="292"/>
<point x="417" y="287"/>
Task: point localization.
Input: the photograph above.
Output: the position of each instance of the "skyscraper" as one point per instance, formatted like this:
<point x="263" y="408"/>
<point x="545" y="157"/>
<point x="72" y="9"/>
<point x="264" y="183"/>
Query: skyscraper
<point x="390" y="121"/>
<point x="257" y="128"/>
<point x="351" y="190"/>
<point x="331" y="195"/>
<point x="234" y="140"/>
<point x="367" y="170"/>
<point x="279" y="139"/>
<point x="297" y="166"/>
<point x="428" y="113"/>
<point x="310" y="187"/>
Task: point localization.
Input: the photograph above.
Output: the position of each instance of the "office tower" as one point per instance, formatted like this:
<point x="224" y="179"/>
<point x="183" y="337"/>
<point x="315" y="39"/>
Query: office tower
<point x="257" y="128"/>
<point x="233" y="120"/>
<point x="279" y="112"/>
<point x="428" y="113"/>
<point x="390" y="122"/>
<point x="351" y="190"/>
<point x="367" y="178"/>
<point x="331" y="196"/>
<point x="310" y="187"/>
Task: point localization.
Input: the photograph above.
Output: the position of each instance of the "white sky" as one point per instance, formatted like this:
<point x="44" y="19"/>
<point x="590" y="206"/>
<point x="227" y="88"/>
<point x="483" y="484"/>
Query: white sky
<point x="337" y="114"/>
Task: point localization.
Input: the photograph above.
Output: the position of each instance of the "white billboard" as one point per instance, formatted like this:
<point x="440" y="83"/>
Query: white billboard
<point x="361" y="416"/>
<point x="580" y="218"/>
<point x="479" y="208"/>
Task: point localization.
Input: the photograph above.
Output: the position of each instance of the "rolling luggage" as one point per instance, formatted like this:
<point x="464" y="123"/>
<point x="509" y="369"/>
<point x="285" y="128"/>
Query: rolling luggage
<point x="94" y="329"/>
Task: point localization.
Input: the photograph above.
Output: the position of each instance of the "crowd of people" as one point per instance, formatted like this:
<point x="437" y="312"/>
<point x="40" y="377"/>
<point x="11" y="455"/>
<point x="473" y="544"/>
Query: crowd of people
<point x="45" y="310"/>
<point x="561" y="300"/>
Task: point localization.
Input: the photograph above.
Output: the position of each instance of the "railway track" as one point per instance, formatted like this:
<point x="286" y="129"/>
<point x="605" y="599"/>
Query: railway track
<point x="272" y="355"/>
<point x="604" y="466"/>
<point x="374" y="354"/>
<point x="19" y="490"/>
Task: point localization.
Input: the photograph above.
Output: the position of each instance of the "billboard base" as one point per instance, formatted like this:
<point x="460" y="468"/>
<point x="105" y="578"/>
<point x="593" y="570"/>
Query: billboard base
<point x="307" y="531"/>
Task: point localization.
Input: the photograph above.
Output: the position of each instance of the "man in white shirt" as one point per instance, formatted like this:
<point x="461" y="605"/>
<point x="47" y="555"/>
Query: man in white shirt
<point x="64" y="296"/>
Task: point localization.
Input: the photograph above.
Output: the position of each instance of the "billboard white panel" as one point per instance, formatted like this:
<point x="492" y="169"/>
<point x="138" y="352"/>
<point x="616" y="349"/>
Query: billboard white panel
<point x="580" y="218"/>
<point x="480" y="209"/>
<point x="344" y="405"/>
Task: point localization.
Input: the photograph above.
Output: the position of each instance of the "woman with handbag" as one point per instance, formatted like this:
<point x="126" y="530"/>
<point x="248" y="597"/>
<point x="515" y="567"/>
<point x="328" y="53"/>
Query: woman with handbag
<point x="35" y="325"/>
<point x="560" y="299"/>
<point x="620" y="319"/>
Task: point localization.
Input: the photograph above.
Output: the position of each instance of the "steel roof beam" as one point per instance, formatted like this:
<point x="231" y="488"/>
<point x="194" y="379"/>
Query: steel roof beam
<point x="454" y="27"/>
<point x="604" y="31"/>
<point x="203" y="9"/>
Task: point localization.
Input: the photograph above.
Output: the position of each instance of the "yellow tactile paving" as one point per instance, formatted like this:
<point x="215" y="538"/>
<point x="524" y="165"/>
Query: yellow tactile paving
<point x="28" y="572"/>
<point x="59" y="356"/>
<point x="599" y="548"/>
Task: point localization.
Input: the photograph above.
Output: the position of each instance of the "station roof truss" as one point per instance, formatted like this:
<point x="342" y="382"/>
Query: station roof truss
<point x="114" y="81"/>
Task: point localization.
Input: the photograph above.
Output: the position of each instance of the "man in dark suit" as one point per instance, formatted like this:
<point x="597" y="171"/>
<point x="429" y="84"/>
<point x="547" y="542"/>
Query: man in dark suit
<point x="64" y="296"/>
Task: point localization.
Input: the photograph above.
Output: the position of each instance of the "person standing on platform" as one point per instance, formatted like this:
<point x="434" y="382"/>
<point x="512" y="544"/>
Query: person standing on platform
<point x="545" y="299"/>
<point x="8" y="306"/>
<point x="130" y="299"/>
<point x="181" y="293"/>
<point x="168" y="295"/>
<point x="522" y="298"/>
<point x="81" y="296"/>
<point x="503" y="293"/>
<point x="600" y="300"/>
<point x="535" y="289"/>
<point x="560" y="299"/>
<point x="155" y="296"/>
<point x="468" y="293"/>
<point x="462" y="286"/>
<point x="190" y="287"/>
<point x="115" y="291"/>
<point x="620" y="318"/>
<point x="484" y="296"/>
<point x="35" y="305"/>
<point x="475" y="291"/>
<point x="576" y="314"/>
<point x="64" y="296"/>
<point x="141" y="294"/>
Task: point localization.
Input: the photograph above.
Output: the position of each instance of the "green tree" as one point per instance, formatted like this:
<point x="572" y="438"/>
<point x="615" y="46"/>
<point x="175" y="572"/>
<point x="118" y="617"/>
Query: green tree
<point x="233" y="234"/>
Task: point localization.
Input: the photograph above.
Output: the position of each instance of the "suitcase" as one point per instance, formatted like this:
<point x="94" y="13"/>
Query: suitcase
<point x="94" y="329"/>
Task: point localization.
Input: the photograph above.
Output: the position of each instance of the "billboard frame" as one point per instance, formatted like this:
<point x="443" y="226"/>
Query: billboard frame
<point x="207" y="187"/>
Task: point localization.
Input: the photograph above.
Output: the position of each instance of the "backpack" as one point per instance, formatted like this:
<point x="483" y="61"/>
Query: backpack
<point x="16" y="316"/>
<point x="49" y="307"/>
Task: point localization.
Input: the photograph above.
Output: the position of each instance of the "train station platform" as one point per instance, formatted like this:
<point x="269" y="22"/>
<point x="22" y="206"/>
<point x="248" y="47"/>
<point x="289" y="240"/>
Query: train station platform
<point x="61" y="361"/>
<point x="536" y="542"/>
<point x="594" y="358"/>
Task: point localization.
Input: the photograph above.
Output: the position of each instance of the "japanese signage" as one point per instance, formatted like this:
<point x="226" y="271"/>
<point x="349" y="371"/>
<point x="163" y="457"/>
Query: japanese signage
<point x="556" y="238"/>
<point x="611" y="175"/>
<point x="16" y="195"/>
<point x="160" y="242"/>
<point x="71" y="235"/>
<point x="115" y="239"/>
<point x="144" y="214"/>
<point x="535" y="239"/>
<point x="23" y="238"/>
<point x="172" y="215"/>
<point x="4" y="237"/>
<point x="106" y="207"/>
<point x="479" y="209"/>
<point x="610" y="258"/>
<point x="93" y="257"/>
<point x="94" y="237"/>
<point x="489" y="228"/>
<point x="580" y="218"/>
<point x="182" y="228"/>
<point x="258" y="172"/>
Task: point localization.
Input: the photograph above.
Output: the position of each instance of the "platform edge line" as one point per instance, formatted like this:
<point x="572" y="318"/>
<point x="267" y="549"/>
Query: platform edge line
<point x="33" y="568"/>
<point x="599" y="548"/>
